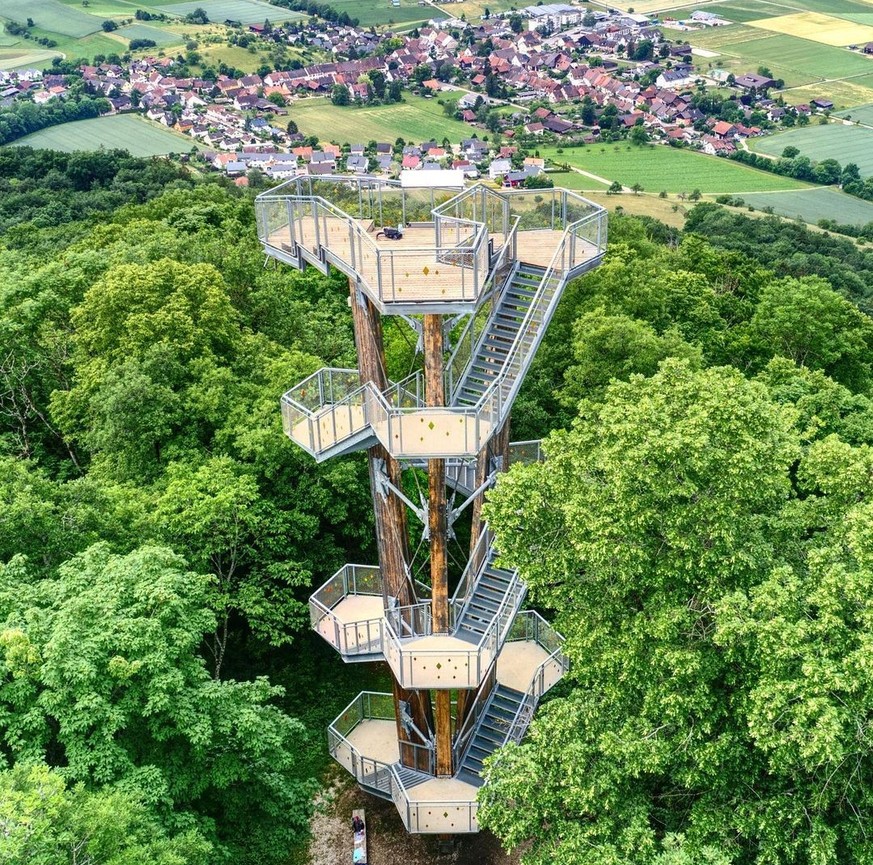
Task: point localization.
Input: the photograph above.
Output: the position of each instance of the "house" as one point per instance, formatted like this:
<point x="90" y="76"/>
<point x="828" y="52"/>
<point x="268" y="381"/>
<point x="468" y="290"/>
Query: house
<point x="823" y="104"/>
<point x="674" y="78"/>
<point x="724" y="130"/>
<point x="357" y="164"/>
<point x="750" y="81"/>
<point x="498" y="168"/>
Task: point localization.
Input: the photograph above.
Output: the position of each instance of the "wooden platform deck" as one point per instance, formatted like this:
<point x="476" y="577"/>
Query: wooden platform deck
<point x="517" y="663"/>
<point x="353" y="626"/>
<point x="410" y="271"/>
<point x="376" y="740"/>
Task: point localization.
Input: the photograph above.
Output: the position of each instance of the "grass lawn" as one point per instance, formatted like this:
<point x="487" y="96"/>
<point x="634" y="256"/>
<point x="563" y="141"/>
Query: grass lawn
<point x="670" y="211"/>
<point x="244" y="11"/>
<point x="51" y="15"/>
<point x="574" y="180"/>
<point x="811" y="205"/>
<point x="672" y="169"/>
<point x="159" y="36"/>
<point x="125" y="131"/>
<point x="417" y="119"/>
<point x="834" y="141"/>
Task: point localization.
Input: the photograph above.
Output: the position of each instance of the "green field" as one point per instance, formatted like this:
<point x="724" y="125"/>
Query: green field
<point x="244" y="11"/>
<point x="811" y="205"/>
<point x="378" y="12"/>
<point x="125" y="131"/>
<point x="52" y="16"/>
<point x="659" y="168"/>
<point x="417" y="119"/>
<point x="834" y="141"/>
<point x="159" y="36"/>
<point x="26" y="58"/>
<point x="574" y="180"/>
<point x="796" y="61"/>
<point x="862" y="113"/>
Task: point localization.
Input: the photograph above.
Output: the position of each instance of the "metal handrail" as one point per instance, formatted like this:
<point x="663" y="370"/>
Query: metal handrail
<point x="535" y="308"/>
<point x="405" y="806"/>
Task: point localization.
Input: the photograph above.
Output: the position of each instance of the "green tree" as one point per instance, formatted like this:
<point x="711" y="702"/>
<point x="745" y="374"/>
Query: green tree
<point x="662" y="500"/>
<point x="339" y="95"/>
<point x="43" y="823"/>
<point x="100" y="669"/>
<point x="808" y="322"/>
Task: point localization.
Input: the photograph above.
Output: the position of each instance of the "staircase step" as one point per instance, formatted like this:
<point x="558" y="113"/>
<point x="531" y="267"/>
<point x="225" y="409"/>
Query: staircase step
<point x="469" y="777"/>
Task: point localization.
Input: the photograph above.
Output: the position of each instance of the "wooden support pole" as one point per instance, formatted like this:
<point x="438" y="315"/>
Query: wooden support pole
<point x="436" y="472"/>
<point x="391" y="529"/>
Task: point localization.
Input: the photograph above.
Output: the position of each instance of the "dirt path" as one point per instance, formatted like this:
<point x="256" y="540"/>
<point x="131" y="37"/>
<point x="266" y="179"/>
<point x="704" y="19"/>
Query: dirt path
<point x="389" y="844"/>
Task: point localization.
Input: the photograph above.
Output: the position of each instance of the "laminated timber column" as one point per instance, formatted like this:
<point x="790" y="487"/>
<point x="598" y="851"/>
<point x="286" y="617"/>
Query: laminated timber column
<point x="390" y="512"/>
<point x="436" y="478"/>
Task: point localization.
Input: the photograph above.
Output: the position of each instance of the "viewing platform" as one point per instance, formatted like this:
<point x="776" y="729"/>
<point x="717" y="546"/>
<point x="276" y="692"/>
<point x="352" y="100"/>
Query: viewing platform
<point x="450" y="246"/>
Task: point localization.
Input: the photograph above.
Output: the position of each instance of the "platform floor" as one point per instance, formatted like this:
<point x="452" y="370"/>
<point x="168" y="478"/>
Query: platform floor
<point x="353" y="626"/>
<point x="376" y="739"/>
<point x="442" y="790"/>
<point x="411" y="273"/>
<point x="517" y="663"/>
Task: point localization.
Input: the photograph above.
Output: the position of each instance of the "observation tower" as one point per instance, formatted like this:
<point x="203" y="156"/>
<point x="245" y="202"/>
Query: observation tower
<point x="477" y="275"/>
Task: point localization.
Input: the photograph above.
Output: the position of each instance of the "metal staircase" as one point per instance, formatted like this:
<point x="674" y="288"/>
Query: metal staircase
<point x="491" y="731"/>
<point x="493" y="589"/>
<point x="500" y="334"/>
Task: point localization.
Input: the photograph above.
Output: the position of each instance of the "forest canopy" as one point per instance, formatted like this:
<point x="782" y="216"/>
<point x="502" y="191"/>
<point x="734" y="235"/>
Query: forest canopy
<point x="700" y="533"/>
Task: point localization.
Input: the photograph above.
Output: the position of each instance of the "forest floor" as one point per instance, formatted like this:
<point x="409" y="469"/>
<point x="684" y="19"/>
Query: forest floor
<point x="388" y="841"/>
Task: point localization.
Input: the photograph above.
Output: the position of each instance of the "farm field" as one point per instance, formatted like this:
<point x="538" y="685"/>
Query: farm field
<point x="417" y="119"/>
<point x="811" y="205"/>
<point x="244" y="11"/>
<point x="819" y="28"/>
<point x="834" y="141"/>
<point x="377" y="13"/>
<point x="51" y="15"/>
<point x="125" y="131"/>
<point x="659" y="168"/>
<point x="862" y="113"/>
<point x="159" y="36"/>
<point x="25" y="58"/>
<point x="797" y="61"/>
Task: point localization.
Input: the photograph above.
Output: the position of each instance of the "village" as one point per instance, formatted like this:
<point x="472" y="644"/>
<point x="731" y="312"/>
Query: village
<point x="548" y="73"/>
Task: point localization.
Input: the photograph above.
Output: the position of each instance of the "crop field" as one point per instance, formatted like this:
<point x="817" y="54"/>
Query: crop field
<point x="51" y="15"/>
<point x="862" y="113"/>
<point x="797" y="61"/>
<point x="834" y="141"/>
<point x="417" y="119"/>
<point x="123" y="131"/>
<point x="25" y="59"/>
<point x="244" y="11"/>
<point x="671" y="169"/>
<point x="818" y="28"/>
<point x="811" y="205"/>
<point x="159" y="36"/>
<point x="377" y="13"/>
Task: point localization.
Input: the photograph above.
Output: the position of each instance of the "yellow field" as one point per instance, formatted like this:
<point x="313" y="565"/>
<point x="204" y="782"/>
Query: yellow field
<point x="818" y="28"/>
